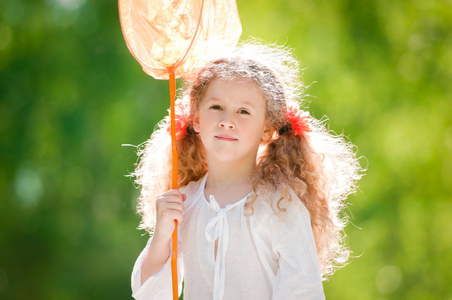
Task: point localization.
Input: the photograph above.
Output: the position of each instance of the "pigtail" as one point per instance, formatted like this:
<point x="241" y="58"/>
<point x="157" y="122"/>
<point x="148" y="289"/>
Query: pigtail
<point x="291" y="165"/>
<point x="192" y="161"/>
<point x="320" y="169"/>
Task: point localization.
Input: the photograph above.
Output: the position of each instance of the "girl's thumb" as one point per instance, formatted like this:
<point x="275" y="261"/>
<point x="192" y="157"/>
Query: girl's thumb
<point x="183" y="195"/>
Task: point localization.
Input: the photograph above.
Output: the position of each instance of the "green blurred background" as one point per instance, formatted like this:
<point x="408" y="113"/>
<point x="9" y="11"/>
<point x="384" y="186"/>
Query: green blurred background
<point x="71" y="94"/>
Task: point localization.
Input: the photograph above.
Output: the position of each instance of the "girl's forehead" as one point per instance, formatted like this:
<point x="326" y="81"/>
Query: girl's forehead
<point x="241" y="91"/>
<point x="238" y="84"/>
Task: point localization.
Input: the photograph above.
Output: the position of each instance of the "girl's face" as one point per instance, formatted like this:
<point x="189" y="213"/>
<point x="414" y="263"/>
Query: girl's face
<point x="231" y="121"/>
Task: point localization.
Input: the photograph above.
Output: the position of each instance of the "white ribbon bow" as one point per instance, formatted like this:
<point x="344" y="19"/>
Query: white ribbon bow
<point x="219" y="226"/>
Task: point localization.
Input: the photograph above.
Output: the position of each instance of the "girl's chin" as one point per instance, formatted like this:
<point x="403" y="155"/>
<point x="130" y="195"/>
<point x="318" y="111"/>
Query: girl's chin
<point x="227" y="157"/>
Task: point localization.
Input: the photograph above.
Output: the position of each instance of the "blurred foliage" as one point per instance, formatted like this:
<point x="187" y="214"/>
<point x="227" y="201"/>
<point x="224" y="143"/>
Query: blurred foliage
<point x="71" y="94"/>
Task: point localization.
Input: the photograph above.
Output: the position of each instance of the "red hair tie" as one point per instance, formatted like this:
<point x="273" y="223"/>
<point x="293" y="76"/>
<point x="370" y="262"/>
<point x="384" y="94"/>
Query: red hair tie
<point x="182" y="117"/>
<point x="297" y="121"/>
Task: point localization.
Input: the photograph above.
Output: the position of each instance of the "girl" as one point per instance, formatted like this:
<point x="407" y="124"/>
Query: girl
<point x="261" y="187"/>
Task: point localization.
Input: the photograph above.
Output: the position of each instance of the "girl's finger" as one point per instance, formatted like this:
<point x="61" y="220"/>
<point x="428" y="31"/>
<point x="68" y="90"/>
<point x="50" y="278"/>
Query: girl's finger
<point x="173" y="193"/>
<point x="169" y="199"/>
<point x="173" y="206"/>
<point x="171" y="215"/>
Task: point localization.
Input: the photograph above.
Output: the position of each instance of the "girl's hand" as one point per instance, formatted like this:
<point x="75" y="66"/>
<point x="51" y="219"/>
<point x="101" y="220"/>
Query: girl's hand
<point x="169" y="207"/>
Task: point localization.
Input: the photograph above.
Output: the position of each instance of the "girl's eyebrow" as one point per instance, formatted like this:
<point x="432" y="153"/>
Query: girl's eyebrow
<point x="212" y="99"/>
<point x="250" y="104"/>
<point x="245" y="102"/>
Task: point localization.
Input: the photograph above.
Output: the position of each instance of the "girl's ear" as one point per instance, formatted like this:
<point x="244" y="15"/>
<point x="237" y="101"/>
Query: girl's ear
<point x="196" y="126"/>
<point x="267" y="134"/>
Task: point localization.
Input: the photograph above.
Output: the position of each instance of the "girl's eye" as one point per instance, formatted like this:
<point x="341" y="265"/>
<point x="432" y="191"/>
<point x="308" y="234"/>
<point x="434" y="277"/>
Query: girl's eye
<point x="244" y="112"/>
<point x="215" y="107"/>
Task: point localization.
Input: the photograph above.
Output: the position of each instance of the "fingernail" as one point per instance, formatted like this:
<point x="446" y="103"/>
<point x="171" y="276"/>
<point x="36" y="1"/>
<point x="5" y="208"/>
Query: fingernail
<point x="184" y="197"/>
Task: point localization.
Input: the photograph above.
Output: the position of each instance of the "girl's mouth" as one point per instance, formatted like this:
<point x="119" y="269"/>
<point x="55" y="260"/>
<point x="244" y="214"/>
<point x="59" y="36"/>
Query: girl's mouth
<point x="226" y="138"/>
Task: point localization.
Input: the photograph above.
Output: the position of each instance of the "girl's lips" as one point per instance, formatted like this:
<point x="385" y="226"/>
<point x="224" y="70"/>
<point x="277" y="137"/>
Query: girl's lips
<point x="225" y="138"/>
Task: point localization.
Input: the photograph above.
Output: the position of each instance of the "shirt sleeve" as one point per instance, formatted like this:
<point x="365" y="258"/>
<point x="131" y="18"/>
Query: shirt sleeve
<point x="159" y="285"/>
<point x="298" y="275"/>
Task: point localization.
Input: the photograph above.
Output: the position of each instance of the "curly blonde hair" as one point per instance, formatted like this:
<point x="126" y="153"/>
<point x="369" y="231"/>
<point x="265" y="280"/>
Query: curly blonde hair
<point x="319" y="168"/>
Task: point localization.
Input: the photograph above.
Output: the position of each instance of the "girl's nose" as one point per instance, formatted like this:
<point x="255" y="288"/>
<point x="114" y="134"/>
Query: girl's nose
<point x="226" y="122"/>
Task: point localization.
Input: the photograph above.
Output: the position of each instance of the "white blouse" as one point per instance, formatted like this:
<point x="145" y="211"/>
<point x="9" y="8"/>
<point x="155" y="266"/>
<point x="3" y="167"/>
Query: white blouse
<point x="258" y="256"/>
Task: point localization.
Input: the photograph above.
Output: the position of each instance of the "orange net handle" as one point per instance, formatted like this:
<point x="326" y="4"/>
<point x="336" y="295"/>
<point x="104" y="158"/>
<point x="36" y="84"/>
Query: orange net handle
<point x="172" y="82"/>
